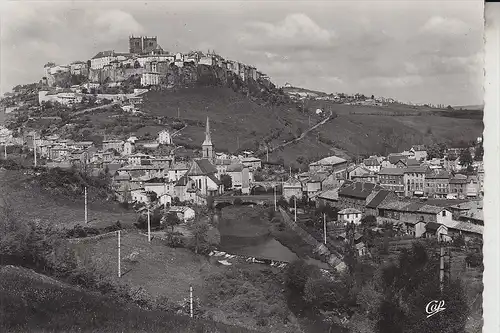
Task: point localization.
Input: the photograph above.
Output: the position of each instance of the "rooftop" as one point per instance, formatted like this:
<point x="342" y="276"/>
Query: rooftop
<point x="330" y="160"/>
<point x="359" y="190"/>
<point x="391" y="171"/>
<point x="349" y="211"/>
<point x="377" y="200"/>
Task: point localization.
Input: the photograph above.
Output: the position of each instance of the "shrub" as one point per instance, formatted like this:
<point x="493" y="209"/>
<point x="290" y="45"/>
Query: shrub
<point x="238" y="202"/>
<point x="174" y="239"/>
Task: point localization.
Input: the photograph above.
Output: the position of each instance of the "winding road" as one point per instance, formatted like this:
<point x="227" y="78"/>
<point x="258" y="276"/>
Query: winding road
<point x="324" y="121"/>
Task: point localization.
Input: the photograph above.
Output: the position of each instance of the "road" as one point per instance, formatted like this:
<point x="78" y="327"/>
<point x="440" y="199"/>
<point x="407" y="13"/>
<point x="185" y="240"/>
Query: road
<point x="301" y="136"/>
<point x="93" y="109"/>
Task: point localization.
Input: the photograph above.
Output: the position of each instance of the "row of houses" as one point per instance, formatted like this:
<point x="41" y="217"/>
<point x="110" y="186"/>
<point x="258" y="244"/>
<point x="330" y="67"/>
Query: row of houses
<point x="410" y="216"/>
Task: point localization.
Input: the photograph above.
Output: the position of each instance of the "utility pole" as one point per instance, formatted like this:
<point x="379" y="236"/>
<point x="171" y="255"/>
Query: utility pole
<point x="149" y="225"/>
<point x="295" y="209"/>
<point x="191" y="301"/>
<point x="449" y="264"/>
<point x="275" y="208"/>
<point x="119" y="256"/>
<point x="34" y="146"/>
<point x="441" y="269"/>
<point x="86" y="207"/>
<point x="267" y="154"/>
<point x="324" y="226"/>
<point x="165" y="200"/>
<point x="290" y="172"/>
<point x="238" y="142"/>
<point x="178" y="114"/>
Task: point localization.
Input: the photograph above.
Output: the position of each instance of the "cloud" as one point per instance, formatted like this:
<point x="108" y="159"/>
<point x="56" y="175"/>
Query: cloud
<point x="296" y="31"/>
<point x="393" y="82"/>
<point x="113" y="24"/>
<point x="445" y="26"/>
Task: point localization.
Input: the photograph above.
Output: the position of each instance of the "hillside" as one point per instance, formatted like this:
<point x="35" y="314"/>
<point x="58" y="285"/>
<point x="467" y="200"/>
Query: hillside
<point x="32" y="301"/>
<point x="356" y="130"/>
<point x="36" y="197"/>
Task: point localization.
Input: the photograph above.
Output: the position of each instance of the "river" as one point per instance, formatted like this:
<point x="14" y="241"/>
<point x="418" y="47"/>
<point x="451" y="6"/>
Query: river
<point x="245" y="231"/>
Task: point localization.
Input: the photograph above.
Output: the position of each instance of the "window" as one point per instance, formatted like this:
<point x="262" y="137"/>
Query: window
<point x="444" y="213"/>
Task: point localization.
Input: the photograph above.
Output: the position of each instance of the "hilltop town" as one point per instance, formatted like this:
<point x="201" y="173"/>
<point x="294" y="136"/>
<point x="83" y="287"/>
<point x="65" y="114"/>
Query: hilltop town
<point x="93" y="120"/>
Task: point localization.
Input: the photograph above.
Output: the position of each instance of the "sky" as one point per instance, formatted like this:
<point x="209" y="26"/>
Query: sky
<point x="419" y="51"/>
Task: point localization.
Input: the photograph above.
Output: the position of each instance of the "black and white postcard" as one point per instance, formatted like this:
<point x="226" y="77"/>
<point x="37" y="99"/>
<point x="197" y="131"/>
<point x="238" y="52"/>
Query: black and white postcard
<point x="246" y="166"/>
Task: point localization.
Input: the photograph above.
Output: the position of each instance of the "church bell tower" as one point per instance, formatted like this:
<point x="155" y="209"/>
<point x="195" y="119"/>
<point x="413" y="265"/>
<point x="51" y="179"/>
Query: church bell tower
<point x="207" y="146"/>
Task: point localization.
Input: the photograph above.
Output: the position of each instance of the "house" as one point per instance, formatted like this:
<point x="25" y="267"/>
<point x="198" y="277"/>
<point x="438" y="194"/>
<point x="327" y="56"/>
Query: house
<point x="185" y="190"/>
<point x="164" y="137"/>
<point x="113" y="144"/>
<point x="380" y="197"/>
<point x="203" y="173"/>
<point x="467" y="230"/>
<point x="355" y="195"/>
<point x="333" y="164"/>
<point x="393" y="159"/>
<point x="177" y="171"/>
<point x="253" y="163"/>
<point x="392" y="179"/>
<point x="162" y="187"/>
<point x="240" y="177"/>
<point x="292" y="188"/>
<point x="327" y="198"/>
<point x="150" y="79"/>
<point x="436" y="230"/>
<point x="414" y="180"/>
<point x="355" y="171"/>
<point x="437" y="184"/>
<point x="372" y="164"/>
<point x="472" y="187"/>
<point x="458" y="185"/>
<point x="128" y="148"/>
<point x="413" y="214"/>
<point x="473" y="216"/>
<point x="138" y="159"/>
<point x="419" y="152"/>
<point x="349" y="215"/>
<point x="461" y="208"/>
<point x="184" y="213"/>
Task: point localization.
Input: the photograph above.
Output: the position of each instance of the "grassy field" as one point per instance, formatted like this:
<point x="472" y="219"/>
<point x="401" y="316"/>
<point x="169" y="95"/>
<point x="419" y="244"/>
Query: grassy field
<point x="159" y="269"/>
<point x="32" y="302"/>
<point x="34" y="203"/>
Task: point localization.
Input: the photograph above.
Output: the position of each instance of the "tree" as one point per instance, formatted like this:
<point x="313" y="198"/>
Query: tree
<point x="296" y="275"/>
<point x="409" y="285"/>
<point x="478" y="154"/>
<point x="171" y="219"/>
<point x="465" y="158"/>
<point x="200" y="230"/>
<point x="227" y="181"/>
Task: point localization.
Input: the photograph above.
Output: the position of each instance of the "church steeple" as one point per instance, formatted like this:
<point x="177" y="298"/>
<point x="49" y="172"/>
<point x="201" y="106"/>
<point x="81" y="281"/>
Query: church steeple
<point x="208" y="140"/>
<point x="207" y="146"/>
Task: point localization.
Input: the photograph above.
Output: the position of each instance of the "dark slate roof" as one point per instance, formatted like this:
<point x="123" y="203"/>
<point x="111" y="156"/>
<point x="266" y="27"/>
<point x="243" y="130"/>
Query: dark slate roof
<point x="359" y="190"/>
<point x="395" y="158"/>
<point x="103" y="54"/>
<point x="236" y="167"/>
<point x="412" y="162"/>
<point x="438" y="175"/>
<point x="392" y="171"/>
<point x="416" y="169"/>
<point x="455" y="180"/>
<point x="433" y="226"/>
<point x="379" y="197"/>
<point x="202" y="167"/>
<point x="183" y="181"/>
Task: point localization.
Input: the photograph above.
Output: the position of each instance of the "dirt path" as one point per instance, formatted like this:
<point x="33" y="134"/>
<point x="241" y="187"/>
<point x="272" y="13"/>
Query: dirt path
<point x="303" y="135"/>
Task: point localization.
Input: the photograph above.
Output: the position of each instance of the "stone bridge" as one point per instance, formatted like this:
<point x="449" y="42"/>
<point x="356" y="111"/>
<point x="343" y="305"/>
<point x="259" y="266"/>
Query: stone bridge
<point x="265" y="184"/>
<point x="222" y="201"/>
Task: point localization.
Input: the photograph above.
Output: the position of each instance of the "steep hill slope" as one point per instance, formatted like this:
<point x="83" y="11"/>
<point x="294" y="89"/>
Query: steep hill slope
<point x="32" y="301"/>
<point x="355" y="130"/>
